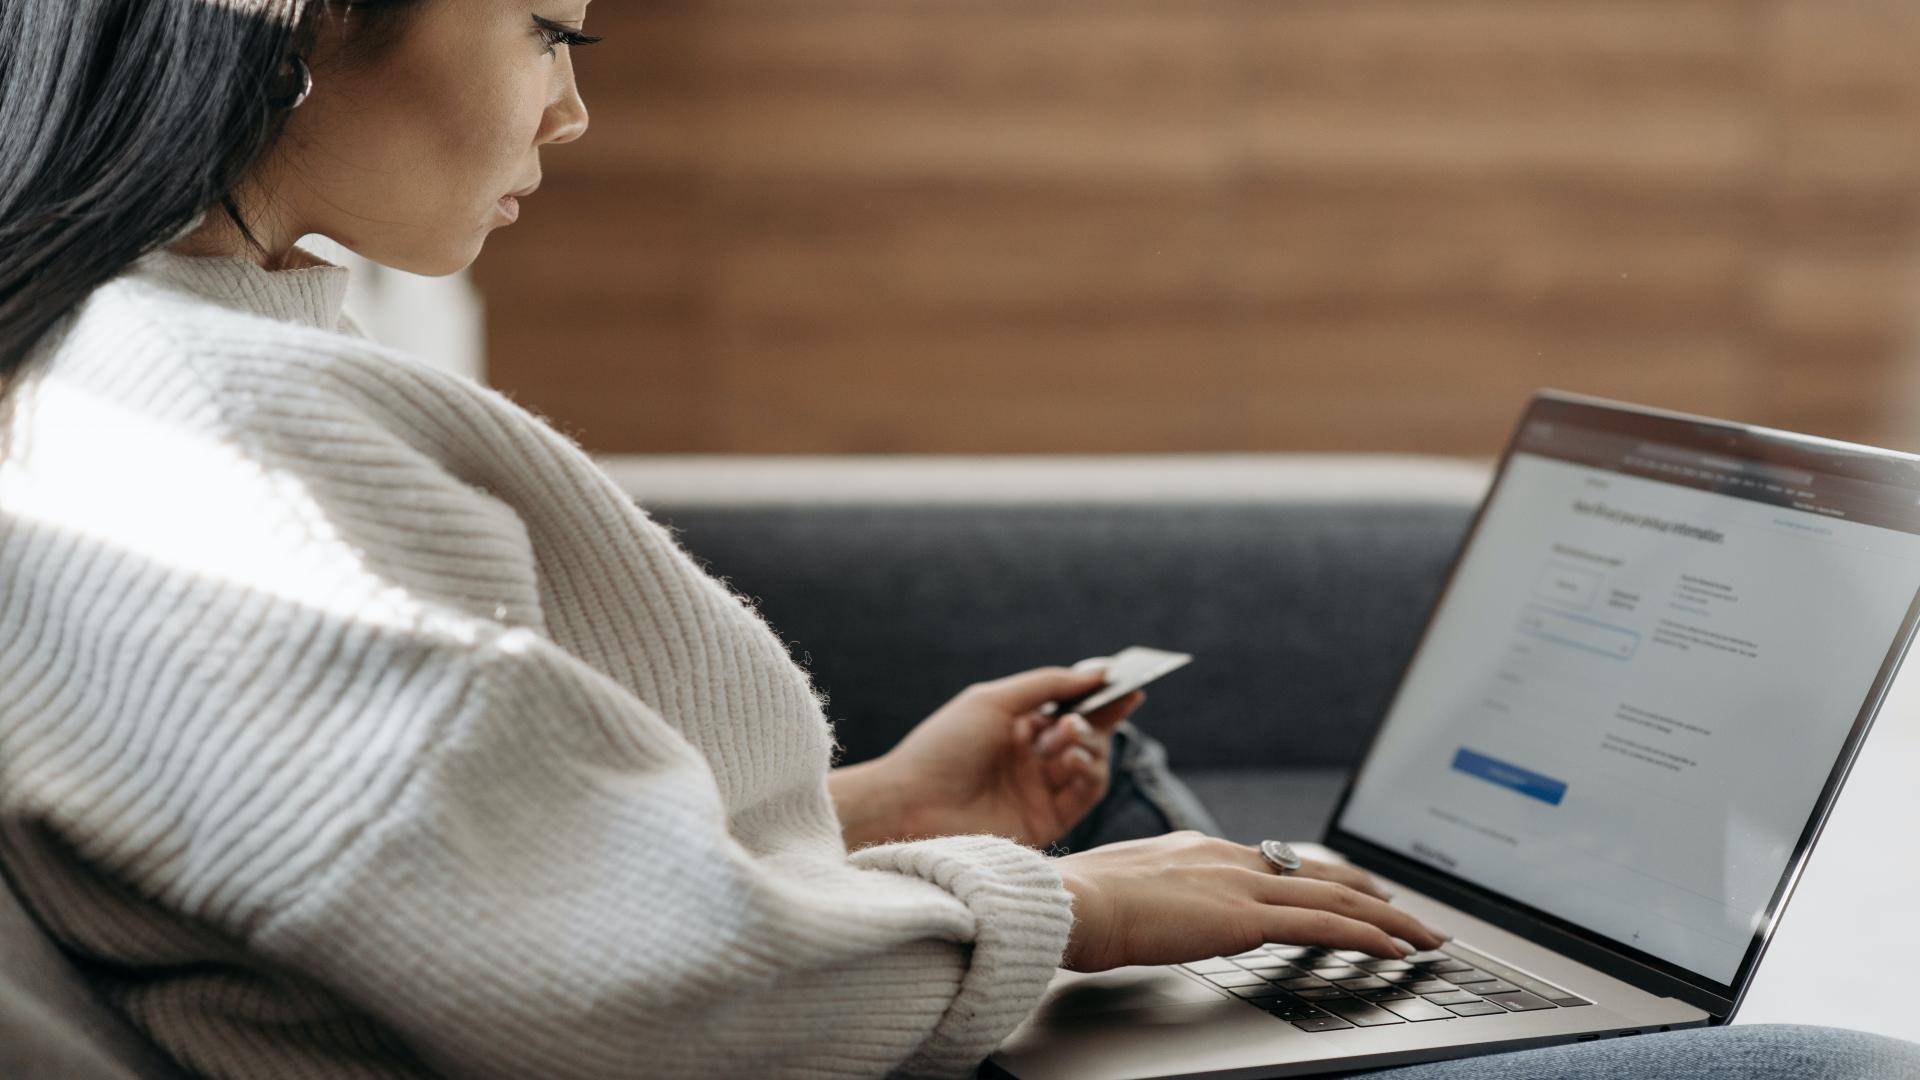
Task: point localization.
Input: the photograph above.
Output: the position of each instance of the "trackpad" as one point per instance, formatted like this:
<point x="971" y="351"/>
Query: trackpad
<point x="1075" y="993"/>
<point x="1120" y="1023"/>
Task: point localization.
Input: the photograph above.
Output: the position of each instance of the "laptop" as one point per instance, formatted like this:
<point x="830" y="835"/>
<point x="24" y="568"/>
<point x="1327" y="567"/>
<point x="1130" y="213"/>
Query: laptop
<point x="1655" y="656"/>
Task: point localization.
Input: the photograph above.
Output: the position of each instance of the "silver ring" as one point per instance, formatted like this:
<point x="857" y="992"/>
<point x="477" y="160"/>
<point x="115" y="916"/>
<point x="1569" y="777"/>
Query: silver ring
<point x="1280" y="856"/>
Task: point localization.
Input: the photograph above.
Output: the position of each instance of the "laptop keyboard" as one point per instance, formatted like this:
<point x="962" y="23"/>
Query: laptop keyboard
<point x="1320" y="989"/>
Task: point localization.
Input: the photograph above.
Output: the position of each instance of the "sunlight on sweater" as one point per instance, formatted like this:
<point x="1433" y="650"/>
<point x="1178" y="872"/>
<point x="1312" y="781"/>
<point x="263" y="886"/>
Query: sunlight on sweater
<point x="191" y="504"/>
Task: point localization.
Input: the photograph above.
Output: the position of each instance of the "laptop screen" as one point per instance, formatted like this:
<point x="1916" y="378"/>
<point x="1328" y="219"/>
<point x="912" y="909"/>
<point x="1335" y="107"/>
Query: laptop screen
<point x="1640" y="678"/>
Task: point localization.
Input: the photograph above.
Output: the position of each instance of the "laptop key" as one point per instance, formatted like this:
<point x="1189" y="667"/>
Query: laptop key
<point x="1451" y="997"/>
<point x="1278" y="970"/>
<point x="1544" y="989"/>
<point x="1291" y="1010"/>
<point x="1496" y="986"/>
<point x="1430" y="986"/>
<point x="1234" y="978"/>
<point x="1427" y="957"/>
<point x="1399" y="976"/>
<point x="1378" y="966"/>
<point x="1336" y="974"/>
<point x="1289" y="952"/>
<point x="1438" y="967"/>
<point x="1211" y="967"/>
<point x="1475" y="1008"/>
<point x="1416" y="1009"/>
<point x="1350" y="955"/>
<point x="1388" y="993"/>
<point x="1466" y="977"/>
<point x="1324" y="963"/>
<point x="1365" y="982"/>
<point x="1360" y="1013"/>
<point x="1304" y="982"/>
<point x="1520" y="1001"/>
<point x="1317" y="993"/>
<point x="1321" y="1023"/>
<point x="1264" y="990"/>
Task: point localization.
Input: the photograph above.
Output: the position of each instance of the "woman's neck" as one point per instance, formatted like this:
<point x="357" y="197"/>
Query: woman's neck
<point x="219" y="236"/>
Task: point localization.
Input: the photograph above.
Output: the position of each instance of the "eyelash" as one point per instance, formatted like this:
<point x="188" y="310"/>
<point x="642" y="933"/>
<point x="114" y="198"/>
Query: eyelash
<point x="555" y="34"/>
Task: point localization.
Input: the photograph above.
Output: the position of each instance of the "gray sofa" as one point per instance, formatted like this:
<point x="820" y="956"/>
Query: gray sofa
<point x="1298" y="584"/>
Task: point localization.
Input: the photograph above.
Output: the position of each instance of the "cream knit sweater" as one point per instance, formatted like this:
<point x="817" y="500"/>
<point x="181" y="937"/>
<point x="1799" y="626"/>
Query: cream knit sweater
<point x="353" y="723"/>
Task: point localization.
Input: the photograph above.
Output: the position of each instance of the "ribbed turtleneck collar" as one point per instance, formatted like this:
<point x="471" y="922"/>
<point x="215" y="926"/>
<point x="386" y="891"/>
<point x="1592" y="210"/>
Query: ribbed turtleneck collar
<point x="313" y="293"/>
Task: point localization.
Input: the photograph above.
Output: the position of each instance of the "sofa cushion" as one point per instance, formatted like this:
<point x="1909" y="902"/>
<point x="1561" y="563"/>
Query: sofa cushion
<point x="51" y="1023"/>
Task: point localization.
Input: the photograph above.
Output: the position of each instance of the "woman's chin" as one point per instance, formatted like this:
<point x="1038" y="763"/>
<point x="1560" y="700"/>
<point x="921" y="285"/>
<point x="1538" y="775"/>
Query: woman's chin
<point x="437" y="263"/>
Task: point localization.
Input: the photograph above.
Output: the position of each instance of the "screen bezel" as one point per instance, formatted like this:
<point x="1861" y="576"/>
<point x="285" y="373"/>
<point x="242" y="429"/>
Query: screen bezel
<point x="1642" y="969"/>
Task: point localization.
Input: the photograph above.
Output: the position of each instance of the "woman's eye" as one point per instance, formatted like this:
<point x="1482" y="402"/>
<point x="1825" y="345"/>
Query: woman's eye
<point x="555" y="34"/>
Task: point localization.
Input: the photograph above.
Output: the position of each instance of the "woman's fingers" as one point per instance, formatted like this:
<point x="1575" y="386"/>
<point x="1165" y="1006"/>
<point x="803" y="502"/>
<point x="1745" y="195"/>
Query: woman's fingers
<point x="1023" y="730"/>
<point x="1348" y="902"/>
<point x="1075" y="750"/>
<point x="1055" y="733"/>
<point x="1310" y="926"/>
<point x="1069" y="731"/>
<point x="1351" y="876"/>
<point x="1070" y="764"/>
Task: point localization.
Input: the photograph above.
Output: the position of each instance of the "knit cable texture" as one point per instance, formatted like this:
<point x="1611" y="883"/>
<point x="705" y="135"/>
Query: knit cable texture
<point x="354" y="723"/>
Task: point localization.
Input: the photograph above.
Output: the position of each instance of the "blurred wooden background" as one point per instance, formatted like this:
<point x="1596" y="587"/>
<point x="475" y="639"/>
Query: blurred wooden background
<point x="984" y="226"/>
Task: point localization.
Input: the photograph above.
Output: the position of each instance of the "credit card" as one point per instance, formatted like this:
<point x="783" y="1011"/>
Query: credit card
<point x="1127" y="670"/>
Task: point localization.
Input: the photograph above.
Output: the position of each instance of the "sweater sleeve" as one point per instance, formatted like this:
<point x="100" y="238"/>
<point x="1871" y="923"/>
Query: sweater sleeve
<point x="552" y="889"/>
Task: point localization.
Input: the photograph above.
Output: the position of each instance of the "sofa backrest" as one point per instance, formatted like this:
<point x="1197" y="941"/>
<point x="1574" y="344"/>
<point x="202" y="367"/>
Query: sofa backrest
<point x="1299" y="584"/>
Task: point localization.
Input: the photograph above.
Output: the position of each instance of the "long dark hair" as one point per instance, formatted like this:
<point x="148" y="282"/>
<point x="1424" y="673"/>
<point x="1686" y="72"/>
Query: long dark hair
<point x="121" y="121"/>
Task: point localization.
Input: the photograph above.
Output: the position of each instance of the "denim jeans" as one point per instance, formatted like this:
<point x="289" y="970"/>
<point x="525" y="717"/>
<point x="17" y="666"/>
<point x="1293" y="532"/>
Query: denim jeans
<point x="1736" y="1052"/>
<point x="1145" y="798"/>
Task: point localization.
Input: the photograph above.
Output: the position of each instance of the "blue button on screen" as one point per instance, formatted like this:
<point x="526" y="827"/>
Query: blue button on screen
<point x="1525" y="781"/>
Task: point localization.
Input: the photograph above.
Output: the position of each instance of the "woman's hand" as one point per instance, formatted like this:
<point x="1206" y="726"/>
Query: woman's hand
<point x="1188" y="896"/>
<point x="989" y="762"/>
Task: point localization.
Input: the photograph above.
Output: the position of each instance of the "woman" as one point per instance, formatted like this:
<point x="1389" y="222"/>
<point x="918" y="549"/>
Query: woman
<point x="353" y="724"/>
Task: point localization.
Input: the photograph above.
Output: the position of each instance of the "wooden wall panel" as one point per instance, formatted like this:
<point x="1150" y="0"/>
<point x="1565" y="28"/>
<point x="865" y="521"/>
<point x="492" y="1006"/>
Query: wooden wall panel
<point x="1217" y="225"/>
<point x="1837" y="329"/>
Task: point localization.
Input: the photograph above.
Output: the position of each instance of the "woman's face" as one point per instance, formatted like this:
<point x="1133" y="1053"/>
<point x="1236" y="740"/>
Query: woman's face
<point x="405" y="157"/>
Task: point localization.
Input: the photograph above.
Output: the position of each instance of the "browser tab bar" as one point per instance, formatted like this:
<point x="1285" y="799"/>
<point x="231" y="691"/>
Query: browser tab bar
<point x="1772" y="483"/>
